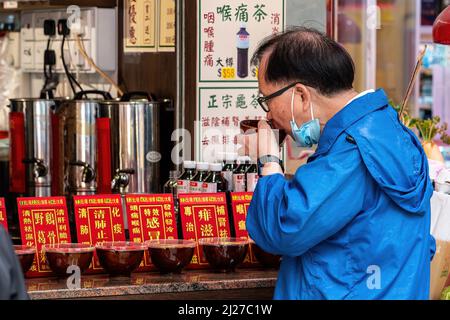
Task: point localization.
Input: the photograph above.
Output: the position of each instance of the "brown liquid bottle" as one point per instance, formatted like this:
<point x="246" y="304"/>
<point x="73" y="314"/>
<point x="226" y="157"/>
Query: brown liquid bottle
<point x="196" y="183"/>
<point x="215" y="182"/>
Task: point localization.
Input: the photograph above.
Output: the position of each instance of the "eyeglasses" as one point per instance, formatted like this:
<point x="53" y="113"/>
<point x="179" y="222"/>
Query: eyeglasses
<point x="263" y="100"/>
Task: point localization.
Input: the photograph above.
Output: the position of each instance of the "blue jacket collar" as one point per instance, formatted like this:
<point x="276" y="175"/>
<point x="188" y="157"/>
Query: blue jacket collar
<point x="350" y="114"/>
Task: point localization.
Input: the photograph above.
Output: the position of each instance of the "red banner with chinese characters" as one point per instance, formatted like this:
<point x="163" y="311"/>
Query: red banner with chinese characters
<point x="150" y="217"/>
<point x="98" y="218"/>
<point x="43" y="221"/>
<point x="203" y="215"/>
<point x="240" y="201"/>
<point x="3" y="217"/>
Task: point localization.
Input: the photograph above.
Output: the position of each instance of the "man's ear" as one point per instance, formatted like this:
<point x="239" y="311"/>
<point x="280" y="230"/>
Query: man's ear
<point x="305" y="96"/>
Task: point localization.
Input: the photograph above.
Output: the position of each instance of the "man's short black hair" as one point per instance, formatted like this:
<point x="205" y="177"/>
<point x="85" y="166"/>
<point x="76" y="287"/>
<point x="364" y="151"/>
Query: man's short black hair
<point x="308" y="56"/>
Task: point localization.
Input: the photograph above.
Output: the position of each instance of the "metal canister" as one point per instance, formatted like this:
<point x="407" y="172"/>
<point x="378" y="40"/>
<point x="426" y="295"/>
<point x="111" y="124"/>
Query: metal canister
<point x="134" y="143"/>
<point x="31" y="146"/>
<point x="77" y="149"/>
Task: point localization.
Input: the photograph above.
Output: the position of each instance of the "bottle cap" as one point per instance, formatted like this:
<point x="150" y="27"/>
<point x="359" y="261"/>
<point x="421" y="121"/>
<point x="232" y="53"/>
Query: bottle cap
<point x="203" y="166"/>
<point x="189" y="164"/>
<point x="217" y="167"/>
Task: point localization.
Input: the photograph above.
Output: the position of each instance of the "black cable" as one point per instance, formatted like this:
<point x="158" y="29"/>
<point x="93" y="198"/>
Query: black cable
<point x="66" y="70"/>
<point x="74" y="80"/>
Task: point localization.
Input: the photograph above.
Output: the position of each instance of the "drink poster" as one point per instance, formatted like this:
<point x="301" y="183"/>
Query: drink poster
<point x="3" y="217"/>
<point x="203" y="216"/>
<point x="98" y="219"/>
<point x="150" y="217"/>
<point x="43" y="221"/>
<point x="228" y="34"/>
<point x="239" y="204"/>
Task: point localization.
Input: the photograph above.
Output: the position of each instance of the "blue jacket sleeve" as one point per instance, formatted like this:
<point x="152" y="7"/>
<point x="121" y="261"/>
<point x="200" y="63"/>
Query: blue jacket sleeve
<point x="290" y="217"/>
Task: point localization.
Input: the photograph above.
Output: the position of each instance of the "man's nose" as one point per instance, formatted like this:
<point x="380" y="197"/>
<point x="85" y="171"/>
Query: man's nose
<point x="269" y="115"/>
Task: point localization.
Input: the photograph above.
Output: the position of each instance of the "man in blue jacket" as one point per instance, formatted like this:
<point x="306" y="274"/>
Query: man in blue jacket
<point x="354" y="222"/>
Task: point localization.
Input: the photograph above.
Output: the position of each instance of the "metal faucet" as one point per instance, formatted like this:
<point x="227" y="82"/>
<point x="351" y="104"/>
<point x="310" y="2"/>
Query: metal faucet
<point x="40" y="170"/>
<point x="88" y="174"/>
<point x="121" y="179"/>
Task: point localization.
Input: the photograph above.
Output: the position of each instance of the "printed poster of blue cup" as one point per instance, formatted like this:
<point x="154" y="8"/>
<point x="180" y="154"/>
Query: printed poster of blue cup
<point x="229" y="32"/>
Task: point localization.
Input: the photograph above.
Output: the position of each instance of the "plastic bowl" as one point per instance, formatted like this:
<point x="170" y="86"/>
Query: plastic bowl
<point x="120" y="258"/>
<point x="61" y="256"/>
<point x="26" y="255"/>
<point x="224" y="254"/>
<point x="171" y="255"/>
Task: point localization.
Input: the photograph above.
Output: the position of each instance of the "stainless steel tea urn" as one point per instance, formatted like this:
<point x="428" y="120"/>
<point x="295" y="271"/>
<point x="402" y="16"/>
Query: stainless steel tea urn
<point x="31" y="146"/>
<point x="77" y="150"/>
<point x="134" y="143"/>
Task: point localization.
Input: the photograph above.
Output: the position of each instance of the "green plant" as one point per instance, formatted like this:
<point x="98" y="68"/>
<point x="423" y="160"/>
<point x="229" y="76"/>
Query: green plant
<point x="428" y="128"/>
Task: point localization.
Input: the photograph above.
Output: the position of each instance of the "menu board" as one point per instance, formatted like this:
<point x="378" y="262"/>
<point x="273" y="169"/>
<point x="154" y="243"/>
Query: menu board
<point x="228" y="34"/>
<point x="98" y="219"/>
<point x="3" y="217"/>
<point x="240" y="201"/>
<point x="219" y="122"/>
<point x="43" y="221"/>
<point x="150" y="217"/>
<point x="203" y="216"/>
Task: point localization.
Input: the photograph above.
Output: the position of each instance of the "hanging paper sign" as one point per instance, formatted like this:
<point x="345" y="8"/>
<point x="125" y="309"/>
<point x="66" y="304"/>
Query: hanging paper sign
<point x="140" y="25"/>
<point x="166" y="39"/>
<point x="239" y="204"/>
<point x="98" y="219"/>
<point x="203" y="216"/>
<point x="3" y="217"/>
<point x="43" y="221"/>
<point x="150" y="217"/>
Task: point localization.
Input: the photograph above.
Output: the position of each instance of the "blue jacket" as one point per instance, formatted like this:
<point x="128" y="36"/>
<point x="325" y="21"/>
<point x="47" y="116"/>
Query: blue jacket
<point x="354" y="222"/>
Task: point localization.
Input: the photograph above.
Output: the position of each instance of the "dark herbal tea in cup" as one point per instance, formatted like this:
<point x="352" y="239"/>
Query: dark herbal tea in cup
<point x="266" y="259"/>
<point x="25" y="254"/>
<point x="251" y="126"/>
<point x="224" y="254"/>
<point x="120" y="258"/>
<point x="61" y="256"/>
<point x="171" y="255"/>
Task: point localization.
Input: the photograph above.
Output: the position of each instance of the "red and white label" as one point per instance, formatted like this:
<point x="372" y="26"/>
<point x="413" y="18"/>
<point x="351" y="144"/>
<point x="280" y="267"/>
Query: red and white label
<point x="239" y="182"/>
<point x="182" y="186"/>
<point x="195" y="187"/>
<point x="252" y="180"/>
<point x="209" y="187"/>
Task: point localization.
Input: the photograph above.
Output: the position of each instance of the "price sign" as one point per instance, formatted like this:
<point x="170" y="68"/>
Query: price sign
<point x="98" y="219"/>
<point x="240" y="201"/>
<point x="150" y="217"/>
<point x="43" y="221"/>
<point x="203" y="216"/>
<point x="3" y="217"/>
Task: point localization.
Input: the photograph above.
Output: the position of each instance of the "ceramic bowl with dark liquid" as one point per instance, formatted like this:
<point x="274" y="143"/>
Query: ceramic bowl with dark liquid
<point x="251" y="126"/>
<point x="224" y="254"/>
<point x="61" y="256"/>
<point x="25" y="254"/>
<point x="268" y="260"/>
<point x="120" y="258"/>
<point x="171" y="255"/>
